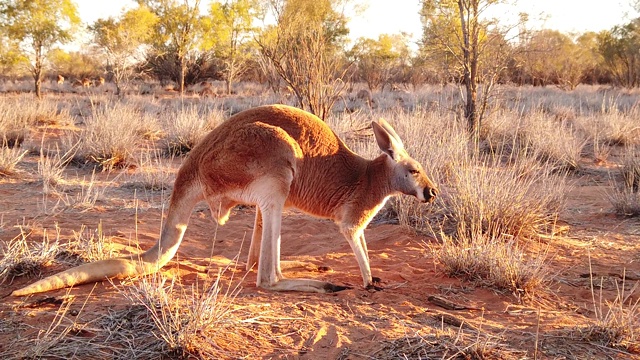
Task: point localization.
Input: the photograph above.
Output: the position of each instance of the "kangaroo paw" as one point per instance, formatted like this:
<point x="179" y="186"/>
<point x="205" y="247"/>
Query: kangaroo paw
<point x="375" y="284"/>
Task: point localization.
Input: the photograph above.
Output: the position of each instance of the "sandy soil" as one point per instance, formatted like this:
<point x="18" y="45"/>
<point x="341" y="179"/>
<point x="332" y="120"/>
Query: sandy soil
<point x="355" y="323"/>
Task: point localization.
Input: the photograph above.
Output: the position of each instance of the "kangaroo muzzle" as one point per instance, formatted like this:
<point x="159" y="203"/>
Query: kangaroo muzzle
<point x="430" y="194"/>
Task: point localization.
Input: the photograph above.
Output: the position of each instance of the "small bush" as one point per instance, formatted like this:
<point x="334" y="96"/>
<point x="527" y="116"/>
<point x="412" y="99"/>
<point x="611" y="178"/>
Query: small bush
<point x="625" y="196"/>
<point x="520" y="199"/>
<point x="109" y="137"/>
<point x="496" y="262"/>
<point x="20" y="257"/>
<point x="9" y="160"/>
<point x="187" y="126"/>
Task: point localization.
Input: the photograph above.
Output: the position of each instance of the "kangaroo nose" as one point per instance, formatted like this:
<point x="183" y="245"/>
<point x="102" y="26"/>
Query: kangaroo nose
<point x="430" y="194"/>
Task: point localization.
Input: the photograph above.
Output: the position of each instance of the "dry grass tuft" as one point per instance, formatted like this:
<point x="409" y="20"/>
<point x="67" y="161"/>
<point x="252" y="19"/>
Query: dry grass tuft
<point x="87" y="245"/>
<point x="553" y="141"/>
<point x="617" y="322"/>
<point x="625" y="196"/>
<point x="197" y="321"/>
<point x="85" y="197"/>
<point x="51" y="166"/>
<point x="153" y="172"/>
<point x="20" y="257"/>
<point x="187" y="126"/>
<point x="499" y="263"/>
<point x="519" y="199"/>
<point x="21" y="113"/>
<point x="9" y="160"/>
<point x="109" y="137"/>
<point x="65" y="338"/>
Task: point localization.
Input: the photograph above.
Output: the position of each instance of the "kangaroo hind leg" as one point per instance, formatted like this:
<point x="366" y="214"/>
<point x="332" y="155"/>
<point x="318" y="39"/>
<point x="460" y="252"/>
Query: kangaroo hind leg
<point x="254" y="250"/>
<point x="269" y="273"/>
<point x="256" y="240"/>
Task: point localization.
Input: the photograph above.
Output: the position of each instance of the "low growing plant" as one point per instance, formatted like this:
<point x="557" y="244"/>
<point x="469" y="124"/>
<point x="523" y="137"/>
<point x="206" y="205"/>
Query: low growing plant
<point x="625" y="196"/>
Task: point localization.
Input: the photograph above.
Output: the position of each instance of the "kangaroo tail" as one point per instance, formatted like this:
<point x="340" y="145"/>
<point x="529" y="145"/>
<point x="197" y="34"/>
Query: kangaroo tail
<point x="186" y="194"/>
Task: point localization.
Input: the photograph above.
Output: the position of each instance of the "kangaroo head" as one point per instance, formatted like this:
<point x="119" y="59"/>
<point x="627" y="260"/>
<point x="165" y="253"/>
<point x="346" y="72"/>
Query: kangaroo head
<point x="408" y="176"/>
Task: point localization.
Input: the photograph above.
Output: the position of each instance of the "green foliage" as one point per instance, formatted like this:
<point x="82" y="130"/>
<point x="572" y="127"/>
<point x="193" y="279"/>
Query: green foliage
<point x="378" y="61"/>
<point x="460" y="35"/>
<point x="72" y="65"/>
<point x="228" y="32"/>
<point x="441" y="28"/>
<point x="10" y="56"/>
<point x="41" y="22"/>
<point x="620" y="49"/>
<point x="38" y="25"/>
<point x="300" y="15"/>
<point x="121" y="40"/>
<point x="133" y="28"/>
<point x="179" y="30"/>
<point x="303" y="51"/>
<point x="552" y="57"/>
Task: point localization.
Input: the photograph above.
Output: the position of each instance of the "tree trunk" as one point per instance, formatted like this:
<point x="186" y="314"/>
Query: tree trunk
<point x="182" y="71"/>
<point x="470" y="65"/>
<point x="37" y="70"/>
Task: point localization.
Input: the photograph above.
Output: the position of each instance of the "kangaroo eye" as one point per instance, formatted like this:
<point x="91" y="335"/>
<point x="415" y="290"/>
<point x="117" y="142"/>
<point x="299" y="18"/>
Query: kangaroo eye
<point x="414" y="171"/>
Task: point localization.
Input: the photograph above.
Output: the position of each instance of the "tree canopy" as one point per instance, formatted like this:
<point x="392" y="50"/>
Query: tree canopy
<point x="121" y="40"/>
<point x="38" y="25"/>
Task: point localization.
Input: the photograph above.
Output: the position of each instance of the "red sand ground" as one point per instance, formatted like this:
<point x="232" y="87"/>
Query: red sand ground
<point x="356" y="323"/>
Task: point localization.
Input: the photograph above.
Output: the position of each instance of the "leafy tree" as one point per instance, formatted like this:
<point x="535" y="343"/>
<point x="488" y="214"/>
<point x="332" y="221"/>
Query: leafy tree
<point x="303" y="50"/>
<point x="378" y="61"/>
<point x="10" y="56"/>
<point x="549" y="58"/>
<point x="472" y="47"/>
<point x="122" y="40"/>
<point x="38" y="25"/>
<point x="179" y="32"/>
<point x="77" y="65"/>
<point x="591" y="59"/>
<point x="620" y="49"/>
<point x="230" y="27"/>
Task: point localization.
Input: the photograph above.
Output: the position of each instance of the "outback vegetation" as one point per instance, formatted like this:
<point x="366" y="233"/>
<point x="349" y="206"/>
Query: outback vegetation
<point x="531" y="250"/>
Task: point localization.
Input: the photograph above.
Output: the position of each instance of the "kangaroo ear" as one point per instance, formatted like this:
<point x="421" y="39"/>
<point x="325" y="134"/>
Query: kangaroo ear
<point x="390" y="130"/>
<point x="388" y="141"/>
